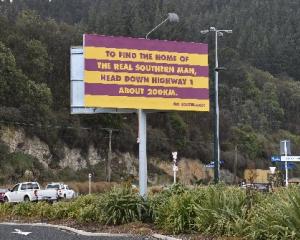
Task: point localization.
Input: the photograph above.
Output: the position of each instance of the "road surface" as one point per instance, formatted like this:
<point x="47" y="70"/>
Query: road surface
<point x="28" y="232"/>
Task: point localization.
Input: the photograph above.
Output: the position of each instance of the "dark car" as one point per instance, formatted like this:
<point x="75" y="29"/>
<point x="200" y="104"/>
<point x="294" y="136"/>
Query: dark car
<point x="262" y="187"/>
<point x="2" y="194"/>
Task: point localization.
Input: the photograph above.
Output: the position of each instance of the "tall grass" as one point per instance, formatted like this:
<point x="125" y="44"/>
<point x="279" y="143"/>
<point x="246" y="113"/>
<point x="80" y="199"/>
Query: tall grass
<point x="176" y="213"/>
<point x="221" y="210"/>
<point x="213" y="210"/>
<point x="96" y="187"/>
<point x="123" y="205"/>
<point x="277" y="217"/>
<point x="216" y="210"/>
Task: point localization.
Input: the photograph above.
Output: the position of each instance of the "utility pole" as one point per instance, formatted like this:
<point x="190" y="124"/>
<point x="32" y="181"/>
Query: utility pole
<point x="175" y="167"/>
<point x="235" y="164"/>
<point x="90" y="183"/>
<point x="109" y="155"/>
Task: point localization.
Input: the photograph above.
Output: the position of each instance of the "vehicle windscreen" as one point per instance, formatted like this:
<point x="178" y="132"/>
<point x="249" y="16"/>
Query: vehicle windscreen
<point x="29" y="186"/>
<point x="15" y="188"/>
<point x="52" y="186"/>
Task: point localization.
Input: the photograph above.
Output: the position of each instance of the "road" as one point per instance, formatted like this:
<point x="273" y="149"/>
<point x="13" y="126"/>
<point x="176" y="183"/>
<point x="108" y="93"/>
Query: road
<point x="27" y="232"/>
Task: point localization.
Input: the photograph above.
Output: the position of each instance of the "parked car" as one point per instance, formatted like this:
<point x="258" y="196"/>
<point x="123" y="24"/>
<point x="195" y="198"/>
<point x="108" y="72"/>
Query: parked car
<point x="2" y="194"/>
<point x="262" y="187"/>
<point x="29" y="191"/>
<point x="63" y="190"/>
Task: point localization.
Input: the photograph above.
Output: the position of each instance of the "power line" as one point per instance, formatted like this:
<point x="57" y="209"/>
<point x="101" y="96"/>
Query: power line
<point x="50" y="126"/>
<point x="26" y="124"/>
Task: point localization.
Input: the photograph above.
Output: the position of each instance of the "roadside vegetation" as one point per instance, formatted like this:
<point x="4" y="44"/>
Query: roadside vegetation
<point x="259" y="91"/>
<point x="214" y="210"/>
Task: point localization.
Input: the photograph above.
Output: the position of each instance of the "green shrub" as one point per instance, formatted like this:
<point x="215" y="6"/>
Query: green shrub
<point x="23" y="209"/>
<point x="122" y="205"/>
<point x="72" y="209"/>
<point x="157" y="200"/>
<point x="214" y="210"/>
<point x="277" y="217"/>
<point x="221" y="211"/>
<point x="90" y="213"/>
<point x="6" y="209"/>
<point x="64" y="210"/>
<point x="44" y="210"/>
<point x="176" y="213"/>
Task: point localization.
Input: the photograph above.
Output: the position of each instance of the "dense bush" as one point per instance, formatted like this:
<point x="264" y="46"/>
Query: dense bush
<point x="177" y="213"/>
<point x="221" y="210"/>
<point x="122" y="205"/>
<point x="277" y="217"/>
<point x="213" y="210"/>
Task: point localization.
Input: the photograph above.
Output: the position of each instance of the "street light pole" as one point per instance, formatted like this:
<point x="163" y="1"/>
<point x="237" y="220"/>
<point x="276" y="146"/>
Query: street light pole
<point x="172" y="17"/>
<point x="142" y="119"/>
<point x="216" y="98"/>
<point x="216" y="114"/>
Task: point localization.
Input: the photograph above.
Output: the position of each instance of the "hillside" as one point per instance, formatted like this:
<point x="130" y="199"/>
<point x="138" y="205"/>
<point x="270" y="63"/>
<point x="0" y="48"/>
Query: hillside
<point x="259" y="91"/>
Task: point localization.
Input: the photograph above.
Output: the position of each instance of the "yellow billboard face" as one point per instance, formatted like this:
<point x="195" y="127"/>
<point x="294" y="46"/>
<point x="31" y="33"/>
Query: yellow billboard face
<point x="145" y="74"/>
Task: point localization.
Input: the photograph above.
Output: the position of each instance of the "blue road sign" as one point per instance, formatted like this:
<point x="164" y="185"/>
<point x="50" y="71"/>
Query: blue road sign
<point x="212" y="164"/>
<point x="289" y="165"/>
<point x="276" y="158"/>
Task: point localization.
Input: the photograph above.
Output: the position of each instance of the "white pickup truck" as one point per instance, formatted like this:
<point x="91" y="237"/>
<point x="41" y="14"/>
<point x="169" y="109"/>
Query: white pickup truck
<point x="62" y="189"/>
<point x="30" y="191"/>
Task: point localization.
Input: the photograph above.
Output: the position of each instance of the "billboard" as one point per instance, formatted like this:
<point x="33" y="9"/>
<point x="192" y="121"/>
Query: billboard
<point x="130" y="73"/>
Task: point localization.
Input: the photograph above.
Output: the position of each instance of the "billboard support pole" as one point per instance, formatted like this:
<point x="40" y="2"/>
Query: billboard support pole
<point x="142" y="118"/>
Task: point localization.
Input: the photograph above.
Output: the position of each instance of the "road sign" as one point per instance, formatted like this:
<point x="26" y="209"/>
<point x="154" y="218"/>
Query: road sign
<point x="285" y="147"/>
<point x="175" y="168"/>
<point x="290" y="165"/>
<point x="290" y="158"/>
<point x="276" y="158"/>
<point x="272" y="169"/>
<point x="212" y="164"/>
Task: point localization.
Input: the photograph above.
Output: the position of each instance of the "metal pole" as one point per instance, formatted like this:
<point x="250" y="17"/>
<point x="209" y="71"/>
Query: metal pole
<point x="286" y="165"/>
<point x="175" y="168"/>
<point x="216" y="117"/>
<point x="172" y="17"/>
<point x="142" y="117"/>
<point x="156" y="27"/>
<point x="90" y="183"/>
<point x="174" y="177"/>
<point x="235" y="165"/>
<point x="108" y="166"/>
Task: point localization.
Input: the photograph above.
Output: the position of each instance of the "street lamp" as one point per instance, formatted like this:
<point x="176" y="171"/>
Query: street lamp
<point x="142" y="119"/>
<point x="216" y="109"/>
<point x="172" y="17"/>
